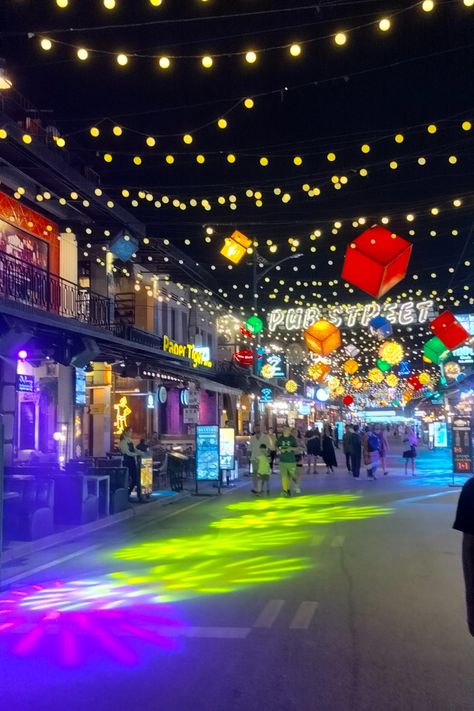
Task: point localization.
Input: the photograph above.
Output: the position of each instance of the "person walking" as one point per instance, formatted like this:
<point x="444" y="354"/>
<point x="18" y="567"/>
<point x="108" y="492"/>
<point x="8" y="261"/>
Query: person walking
<point x="328" y="451"/>
<point x="383" y="446"/>
<point x="370" y="448"/>
<point x="258" y="438"/>
<point x="464" y="522"/>
<point x="356" y="451"/>
<point x="313" y="448"/>
<point x="299" y="455"/>
<point x="263" y="470"/>
<point x="130" y="461"/>
<point x="287" y="447"/>
<point x="272" y="439"/>
<point x="347" y="446"/>
<point x="410" y="442"/>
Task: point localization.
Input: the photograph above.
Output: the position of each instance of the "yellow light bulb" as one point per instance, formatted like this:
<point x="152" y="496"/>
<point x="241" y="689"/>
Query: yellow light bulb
<point x="109" y="4"/>
<point x="365" y="148"/>
<point x="122" y="59"/>
<point x="453" y="160"/>
<point x="207" y="62"/>
<point x="222" y="123"/>
<point x="340" y="39"/>
<point x="249" y="103"/>
<point x="468" y="3"/>
<point x="295" y="50"/>
<point x="331" y="157"/>
<point x="150" y="141"/>
<point x="263" y="161"/>
<point x="164" y="62"/>
<point x="432" y="128"/>
<point x="169" y="159"/>
<point x="156" y="3"/>
<point x="399" y="138"/>
<point x="108" y="158"/>
<point x="60" y="142"/>
<point x="137" y="160"/>
<point x="117" y="130"/>
<point x="363" y="172"/>
<point x="251" y="57"/>
<point x="466" y="125"/>
<point x="82" y="54"/>
<point x="384" y="24"/>
<point x="26" y="138"/>
<point x="297" y="160"/>
<point x="427" y="5"/>
<point x="188" y="139"/>
<point x="62" y="3"/>
<point x="231" y="158"/>
<point x="46" y="44"/>
<point x="200" y="159"/>
<point x="393" y="164"/>
<point x="94" y="131"/>
<point x="3" y="134"/>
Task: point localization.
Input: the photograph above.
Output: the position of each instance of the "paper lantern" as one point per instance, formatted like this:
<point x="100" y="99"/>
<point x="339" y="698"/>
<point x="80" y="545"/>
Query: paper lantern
<point x="424" y="378"/>
<point x="452" y="369"/>
<point x="376" y="261"/>
<point x="375" y="375"/>
<point x="404" y="368"/>
<point x="413" y="383"/>
<point x="245" y="333"/>
<point x="243" y="357"/>
<point x="435" y="350"/>
<point x="333" y="382"/>
<point x="267" y="371"/>
<point x="291" y="386"/>
<point x="254" y="324"/>
<point x="322" y="337"/>
<point x="357" y="383"/>
<point x="383" y="365"/>
<point x="339" y="391"/>
<point x="449" y="331"/>
<point x="350" y="366"/>
<point x="319" y="372"/>
<point x="352" y="351"/>
<point x="392" y="352"/>
<point x="391" y="380"/>
<point x="348" y="400"/>
<point x="235" y="247"/>
<point x="381" y="327"/>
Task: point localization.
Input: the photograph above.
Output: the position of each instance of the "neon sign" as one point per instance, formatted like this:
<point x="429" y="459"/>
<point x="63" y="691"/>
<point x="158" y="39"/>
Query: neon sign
<point x="122" y="413"/>
<point x="199" y="356"/>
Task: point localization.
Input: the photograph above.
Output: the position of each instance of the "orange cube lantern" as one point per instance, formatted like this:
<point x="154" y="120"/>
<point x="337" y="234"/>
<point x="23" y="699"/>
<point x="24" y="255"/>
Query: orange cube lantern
<point x="350" y="366"/>
<point x="322" y="337"/>
<point x="376" y="261"/>
<point x="235" y="247"/>
<point x="449" y="331"/>
<point x="319" y="372"/>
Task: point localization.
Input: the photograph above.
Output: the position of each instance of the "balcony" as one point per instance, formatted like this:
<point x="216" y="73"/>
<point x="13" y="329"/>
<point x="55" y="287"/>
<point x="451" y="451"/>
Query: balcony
<point x="23" y="283"/>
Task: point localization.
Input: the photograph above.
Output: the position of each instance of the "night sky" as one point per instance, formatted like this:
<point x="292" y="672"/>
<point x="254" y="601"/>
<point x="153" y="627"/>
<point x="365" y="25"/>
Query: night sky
<point x="329" y="99"/>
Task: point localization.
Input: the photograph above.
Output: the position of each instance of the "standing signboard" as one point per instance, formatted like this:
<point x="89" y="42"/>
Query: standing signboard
<point x="462" y="445"/>
<point x="207" y="454"/>
<point x="227" y="448"/>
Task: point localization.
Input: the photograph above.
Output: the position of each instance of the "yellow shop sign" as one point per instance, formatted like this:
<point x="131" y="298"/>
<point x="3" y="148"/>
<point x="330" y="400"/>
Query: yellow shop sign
<point x="190" y="351"/>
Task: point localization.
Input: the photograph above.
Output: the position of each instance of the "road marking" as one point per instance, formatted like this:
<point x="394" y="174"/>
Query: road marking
<point x="338" y="541"/>
<point x="414" y="499"/>
<point x="51" y="564"/>
<point x="304" y="615"/>
<point x="269" y="614"/>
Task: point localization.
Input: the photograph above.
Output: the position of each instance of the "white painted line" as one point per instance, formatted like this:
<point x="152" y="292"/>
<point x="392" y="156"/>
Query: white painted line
<point x="414" y="499"/>
<point x="338" y="541"/>
<point x="269" y="614"/>
<point x="50" y="564"/>
<point x="304" y="615"/>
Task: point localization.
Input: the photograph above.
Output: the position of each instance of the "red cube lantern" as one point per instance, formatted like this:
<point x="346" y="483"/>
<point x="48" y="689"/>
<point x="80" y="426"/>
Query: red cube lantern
<point x="449" y="331"/>
<point x="348" y="400"/>
<point x="376" y="261"/>
<point x="414" y="383"/>
<point x="322" y="337"/>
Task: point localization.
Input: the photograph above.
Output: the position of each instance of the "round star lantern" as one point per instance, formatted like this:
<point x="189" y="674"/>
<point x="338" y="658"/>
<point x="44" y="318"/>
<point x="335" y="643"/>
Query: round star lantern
<point x="291" y="386"/>
<point x="391" y="380"/>
<point x="452" y="369"/>
<point x="391" y="352"/>
<point x="267" y="371"/>
<point x="375" y="375"/>
<point x="424" y="378"/>
<point x="357" y="383"/>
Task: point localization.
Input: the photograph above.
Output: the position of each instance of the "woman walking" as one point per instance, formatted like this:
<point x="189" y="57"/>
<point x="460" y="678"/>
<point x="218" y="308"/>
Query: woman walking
<point x="313" y="448"/>
<point x="410" y="442"/>
<point x="328" y="451"/>
<point x="383" y="446"/>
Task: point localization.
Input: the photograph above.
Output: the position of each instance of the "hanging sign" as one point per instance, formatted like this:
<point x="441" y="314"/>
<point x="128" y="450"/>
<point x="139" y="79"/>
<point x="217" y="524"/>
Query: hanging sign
<point x="462" y="445"/>
<point x="199" y="356"/>
<point x="25" y="383"/>
<point x="227" y="448"/>
<point x="190" y="415"/>
<point x="277" y="363"/>
<point x="207" y="453"/>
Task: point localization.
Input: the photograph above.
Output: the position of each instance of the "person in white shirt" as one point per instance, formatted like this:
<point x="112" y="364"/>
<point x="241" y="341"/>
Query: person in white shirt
<point x="257" y="439"/>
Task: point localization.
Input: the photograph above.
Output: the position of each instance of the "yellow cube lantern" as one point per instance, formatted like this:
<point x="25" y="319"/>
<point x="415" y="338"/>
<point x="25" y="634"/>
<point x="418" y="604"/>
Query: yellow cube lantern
<point x="350" y="366"/>
<point x="319" y="372"/>
<point x="322" y="337"/>
<point x="235" y="247"/>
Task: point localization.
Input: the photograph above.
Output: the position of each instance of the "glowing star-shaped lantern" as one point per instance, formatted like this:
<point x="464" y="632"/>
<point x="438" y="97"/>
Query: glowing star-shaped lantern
<point x="254" y="324"/>
<point x="291" y="386"/>
<point x="383" y="365"/>
<point x="322" y="337"/>
<point x="449" y="331"/>
<point x="435" y="351"/>
<point x="452" y="369"/>
<point x="376" y="261"/>
<point x="375" y="375"/>
<point x="267" y="371"/>
<point x="414" y="383"/>
<point x="319" y="372"/>
<point x="391" y="380"/>
<point x="392" y="352"/>
<point x="350" y="366"/>
<point x="235" y="247"/>
<point x="347" y="400"/>
<point x="333" y="382"/>
<point x="357" y="383"/>
<point x="381" y="327"/>
<point x="424" y="378"/>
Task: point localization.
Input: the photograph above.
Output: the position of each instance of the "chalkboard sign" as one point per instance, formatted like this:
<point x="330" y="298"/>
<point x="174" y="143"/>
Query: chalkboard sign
<point x="462" y="445"/>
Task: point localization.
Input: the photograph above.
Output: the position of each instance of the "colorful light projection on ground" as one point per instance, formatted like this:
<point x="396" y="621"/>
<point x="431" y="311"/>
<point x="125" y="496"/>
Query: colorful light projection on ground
<point x="85" y="620"/>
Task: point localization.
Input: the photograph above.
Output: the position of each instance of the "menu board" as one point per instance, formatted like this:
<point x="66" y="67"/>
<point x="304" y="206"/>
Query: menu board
<point x="227" y="448"/>
<point x="462" y="445"/>
<point x="207" y="453"/>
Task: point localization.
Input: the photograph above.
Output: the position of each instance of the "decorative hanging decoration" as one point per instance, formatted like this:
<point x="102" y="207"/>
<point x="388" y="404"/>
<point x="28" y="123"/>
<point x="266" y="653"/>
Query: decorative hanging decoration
<point x="245" y="332"/>
<point x="322" y="337"/>
<point x="449" y="331"/>
<point x="381" y="327"/>
<point x="435" y="351"/>
<point x="357" y="383"/>
<point x="375" y="375"/>
<point x="322" y="395"/>
<point x="267" y="371"/>
<point x="243" y="357"/>
<point x="348" y="400"/>
<point x="235" y="247"/>
<point x="452" y="369"/>
<point x="350" y="366"/>
<point x="424" y="378"/>
<point x="383" y="365"/>
<point x="392" y="352"/>
<point x="254" y="324"/>
<point x="414" y="383"/>
<point x="318" y="372"/>
<point x="351" y="351"/>
<point x="376" y="261"/>
<point x="291" y="386"/>
<point x="391" y="380"/>
<point x="404" y="368"/>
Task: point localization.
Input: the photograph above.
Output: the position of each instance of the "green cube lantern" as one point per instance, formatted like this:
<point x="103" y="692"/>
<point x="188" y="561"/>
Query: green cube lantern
<point x="435" y="350"/>
<point x="383" y="365"/>
<point x="254" y="324"/>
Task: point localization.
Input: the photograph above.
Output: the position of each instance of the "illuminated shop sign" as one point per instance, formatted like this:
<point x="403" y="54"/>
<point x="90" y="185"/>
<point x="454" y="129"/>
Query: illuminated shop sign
<point x="406" y="313"/>
<point x="122" y="413"/>
<point x="189" y="351"/>
<point x="207" y="453"/>
<point x="80" y="387"/>
<point x="273" y="365"/>
<point x="25" y="383"/>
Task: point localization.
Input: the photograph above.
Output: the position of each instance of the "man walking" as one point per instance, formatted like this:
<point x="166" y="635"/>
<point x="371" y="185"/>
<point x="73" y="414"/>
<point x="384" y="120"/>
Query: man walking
<point x="347" y="446"/>
<point x="356" y="451"/>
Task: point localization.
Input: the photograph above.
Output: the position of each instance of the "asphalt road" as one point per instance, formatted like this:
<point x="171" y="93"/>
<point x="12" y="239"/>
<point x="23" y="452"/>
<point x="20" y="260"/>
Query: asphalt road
<point x="348" y="597"/>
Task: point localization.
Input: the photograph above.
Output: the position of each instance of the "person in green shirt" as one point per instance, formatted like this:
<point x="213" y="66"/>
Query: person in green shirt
<point x="287" y="447"/>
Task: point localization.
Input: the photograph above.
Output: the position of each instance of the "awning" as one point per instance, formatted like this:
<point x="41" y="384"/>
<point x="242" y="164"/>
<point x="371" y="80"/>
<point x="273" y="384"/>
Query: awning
<point x="218" y="387"/>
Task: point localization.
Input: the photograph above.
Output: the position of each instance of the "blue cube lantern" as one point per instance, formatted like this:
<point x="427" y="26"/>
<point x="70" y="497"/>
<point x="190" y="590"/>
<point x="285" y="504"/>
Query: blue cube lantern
<point x="381" y="327"/>
<point x="124" y="246"/>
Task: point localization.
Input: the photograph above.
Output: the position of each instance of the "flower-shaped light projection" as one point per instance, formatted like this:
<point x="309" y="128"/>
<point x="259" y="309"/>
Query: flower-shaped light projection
<point x="375" y="375"/>
<point x="350" y="366"/>
<point x="267" y="371"/>
<point x="291" y="386"/>
<point x="391" y="352"/>
<point x="391" y="380"/>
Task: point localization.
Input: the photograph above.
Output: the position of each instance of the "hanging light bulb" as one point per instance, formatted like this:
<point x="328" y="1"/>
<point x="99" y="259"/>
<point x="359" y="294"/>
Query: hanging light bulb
<point x="251" y="57"/>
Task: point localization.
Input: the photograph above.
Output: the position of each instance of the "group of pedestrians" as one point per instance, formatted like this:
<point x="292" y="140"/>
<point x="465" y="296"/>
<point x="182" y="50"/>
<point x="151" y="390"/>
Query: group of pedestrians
<point x="264" y="447"/>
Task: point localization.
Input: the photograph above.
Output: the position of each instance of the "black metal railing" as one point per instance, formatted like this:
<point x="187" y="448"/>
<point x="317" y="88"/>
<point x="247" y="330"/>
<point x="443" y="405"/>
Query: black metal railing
<point x="27" y="284"/>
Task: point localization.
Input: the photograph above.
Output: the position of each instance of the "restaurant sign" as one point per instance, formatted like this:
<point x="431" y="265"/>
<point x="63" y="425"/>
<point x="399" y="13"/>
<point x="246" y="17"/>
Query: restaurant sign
<point x="405" y="313"/>
<point x="189" y="351"/>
